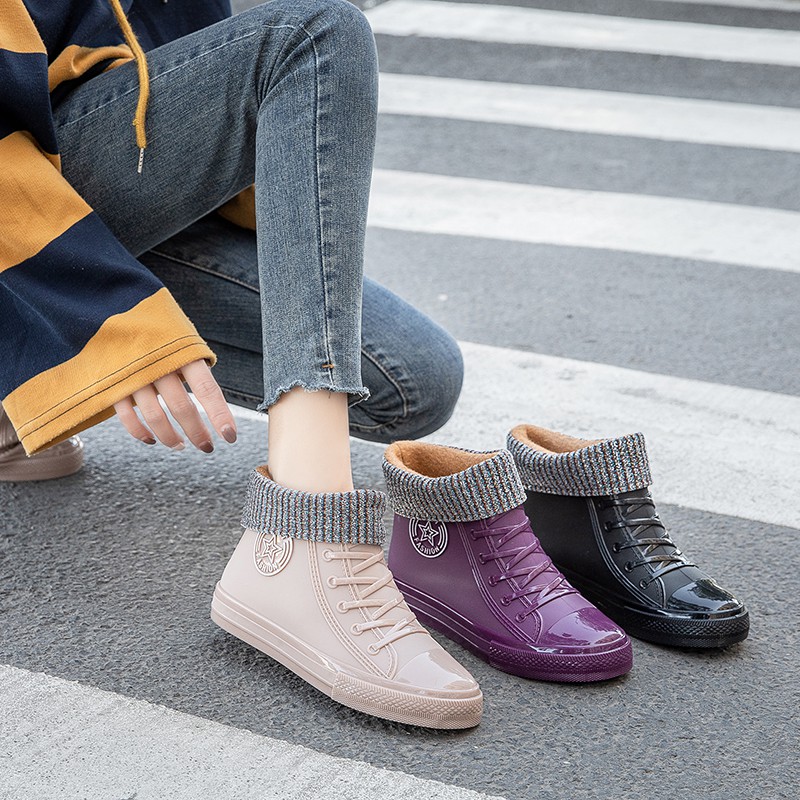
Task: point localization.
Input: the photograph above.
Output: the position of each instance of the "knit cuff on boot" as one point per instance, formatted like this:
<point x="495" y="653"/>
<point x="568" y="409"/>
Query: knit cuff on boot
<point x="450" y="484"/>
<point x="343" y="517"/>
<point x="555" y="463"/>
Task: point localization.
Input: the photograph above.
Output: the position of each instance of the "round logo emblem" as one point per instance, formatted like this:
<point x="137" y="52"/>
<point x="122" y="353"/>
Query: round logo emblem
<point x="428" y="537"/>
<point x="272" y="553"/>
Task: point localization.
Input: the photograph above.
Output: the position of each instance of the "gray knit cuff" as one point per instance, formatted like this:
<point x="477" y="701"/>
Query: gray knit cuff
<point x="478" y="492"/>
<point x="607" y="467"/>
<point x="343" y="517"/>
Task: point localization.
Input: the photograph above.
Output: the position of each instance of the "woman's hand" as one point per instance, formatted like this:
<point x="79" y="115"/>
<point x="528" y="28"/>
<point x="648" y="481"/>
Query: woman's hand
<point x="170" y="387"/>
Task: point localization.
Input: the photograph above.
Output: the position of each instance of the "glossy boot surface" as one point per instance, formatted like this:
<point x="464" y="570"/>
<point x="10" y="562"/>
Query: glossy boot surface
<point x="613" y="546"/>
<point x="64" y="458"/>
<point x="332" y="614"/>
<point x="487" y="584"/>
<point x="651" y="590"/>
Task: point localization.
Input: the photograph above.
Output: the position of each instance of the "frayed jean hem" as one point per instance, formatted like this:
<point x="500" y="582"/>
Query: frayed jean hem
<point x="357" y="394"/>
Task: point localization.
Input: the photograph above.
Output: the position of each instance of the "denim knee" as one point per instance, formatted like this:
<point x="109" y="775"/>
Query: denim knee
<point x="315" y="17"/>
<point x="414" y="373"/>
<point x="439" y="375"/>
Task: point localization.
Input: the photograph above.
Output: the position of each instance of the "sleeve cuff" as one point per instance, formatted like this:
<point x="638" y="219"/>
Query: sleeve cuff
<point x="129" y="351"/>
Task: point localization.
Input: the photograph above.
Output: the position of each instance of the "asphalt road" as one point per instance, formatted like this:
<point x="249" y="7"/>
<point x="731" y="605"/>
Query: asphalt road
<point x="108" y="574"/>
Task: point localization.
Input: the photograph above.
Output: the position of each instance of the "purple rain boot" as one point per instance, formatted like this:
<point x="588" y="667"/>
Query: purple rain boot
<point x="467" y="562"/>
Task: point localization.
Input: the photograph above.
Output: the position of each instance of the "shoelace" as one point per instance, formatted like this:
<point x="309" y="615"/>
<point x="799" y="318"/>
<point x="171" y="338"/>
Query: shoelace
<point x="629" y="506"/>
<point x="524" y="575"/>
<point x="397" y="627"/>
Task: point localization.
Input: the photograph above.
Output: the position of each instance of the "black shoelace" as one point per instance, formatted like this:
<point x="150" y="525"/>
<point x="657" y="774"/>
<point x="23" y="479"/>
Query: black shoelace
<point x="641" y="530"/>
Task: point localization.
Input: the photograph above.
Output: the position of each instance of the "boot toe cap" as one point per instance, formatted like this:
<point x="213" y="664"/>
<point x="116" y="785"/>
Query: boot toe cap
<point x="705" y="597"/>
<point x="436" y="670"/>
<point x="587" y="628"/>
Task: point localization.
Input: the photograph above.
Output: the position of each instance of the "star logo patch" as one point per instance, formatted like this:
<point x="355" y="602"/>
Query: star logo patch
<point x="429" y="538"/>
<point x="271" y="553"/>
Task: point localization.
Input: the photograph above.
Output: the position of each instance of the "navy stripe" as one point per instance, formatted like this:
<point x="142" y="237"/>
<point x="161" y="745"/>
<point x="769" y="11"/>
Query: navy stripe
<point x="57" y="300"/>
<point x="92" y="24"/>
<point x="24" y="98"/>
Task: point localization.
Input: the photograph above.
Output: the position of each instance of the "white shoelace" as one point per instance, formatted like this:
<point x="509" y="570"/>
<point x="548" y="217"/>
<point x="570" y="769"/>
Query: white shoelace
<point x="365" y="599"/>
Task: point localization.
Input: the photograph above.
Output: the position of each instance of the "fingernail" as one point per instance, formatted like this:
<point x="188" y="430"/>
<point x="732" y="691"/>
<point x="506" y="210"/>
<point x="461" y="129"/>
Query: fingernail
<point x="229" y="434"/>
<point x="206" y="447"/>
<point x="148" y="441"/>
<point x="180" y="446"/>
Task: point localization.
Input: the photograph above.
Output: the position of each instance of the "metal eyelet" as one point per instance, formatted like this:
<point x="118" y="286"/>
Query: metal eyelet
<point x="341" y="607"/>
<point x="326" y="554"/>
<point x="615" y="547"/>
<point x="628" y="566"/>
<point x="492" y="580"/>
<point x="643" y="583"/>
<point x="481" y="558"/>
<point x="505" y="600"/>
<point x="607" y="526"/>
<point x="372" y="649"/>
<point x="519" y="617"/>
<point x="332" y="581"/>
<point x="355" y="629"/>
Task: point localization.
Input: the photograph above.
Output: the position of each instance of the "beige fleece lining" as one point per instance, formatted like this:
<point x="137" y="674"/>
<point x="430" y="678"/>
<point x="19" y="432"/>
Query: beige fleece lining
<point x="432" y="460"/>
<point x="546" y="441"/>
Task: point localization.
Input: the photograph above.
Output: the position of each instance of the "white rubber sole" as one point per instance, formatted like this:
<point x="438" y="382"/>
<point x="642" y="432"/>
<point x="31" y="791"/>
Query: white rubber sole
<point x="360" y="691"/>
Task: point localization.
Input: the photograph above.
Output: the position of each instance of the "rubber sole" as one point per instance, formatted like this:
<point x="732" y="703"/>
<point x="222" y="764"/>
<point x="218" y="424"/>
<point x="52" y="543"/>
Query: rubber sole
<point x="673" y="631"/>
<point x="61" y="460"/>
<point x="361" y="692"/>
<point x="524" y="662"/>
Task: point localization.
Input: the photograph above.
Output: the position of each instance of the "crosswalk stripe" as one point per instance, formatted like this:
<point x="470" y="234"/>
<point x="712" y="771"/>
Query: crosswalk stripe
<point x="514" y="25"/>
<point x="589" y="111"/>
<point x="755" y="5"/>
<point x="119" y="747"/>
<point x="664" y="226"/>
<point x="716" y="448"/>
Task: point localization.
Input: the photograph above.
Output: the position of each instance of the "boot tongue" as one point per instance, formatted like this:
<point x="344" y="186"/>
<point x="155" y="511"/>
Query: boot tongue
<point x="526" y="536"/>
<point x="641" y="507"/>
<point x="609" y="466"/>
<point x="531" y="562"/>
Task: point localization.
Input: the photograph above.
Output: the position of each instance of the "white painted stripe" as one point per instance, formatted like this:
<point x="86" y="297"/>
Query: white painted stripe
<point x="756" y="5"/>
<point x="693" y="229"/>
<point x="609" y="113"/>
<point x="71" y="742"/>
<point x="514" y="25"/>
<point x="712" y="447"/>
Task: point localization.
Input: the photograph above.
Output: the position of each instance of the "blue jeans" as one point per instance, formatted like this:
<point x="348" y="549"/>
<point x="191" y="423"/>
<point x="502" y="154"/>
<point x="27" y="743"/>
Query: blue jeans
<point x="283" y="95"/>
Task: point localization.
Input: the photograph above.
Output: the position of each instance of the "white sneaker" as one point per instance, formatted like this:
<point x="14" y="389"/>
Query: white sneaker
<point x="57" y="461"/>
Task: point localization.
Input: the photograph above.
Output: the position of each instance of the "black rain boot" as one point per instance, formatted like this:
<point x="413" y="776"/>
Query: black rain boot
<point x="589" y="504"/>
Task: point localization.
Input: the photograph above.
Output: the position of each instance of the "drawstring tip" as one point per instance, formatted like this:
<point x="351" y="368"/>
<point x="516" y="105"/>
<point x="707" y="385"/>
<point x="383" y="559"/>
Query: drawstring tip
<point x="141" y="160"/>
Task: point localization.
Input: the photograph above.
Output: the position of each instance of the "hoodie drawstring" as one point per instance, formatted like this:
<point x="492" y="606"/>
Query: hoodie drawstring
<point x="144" y="79"/>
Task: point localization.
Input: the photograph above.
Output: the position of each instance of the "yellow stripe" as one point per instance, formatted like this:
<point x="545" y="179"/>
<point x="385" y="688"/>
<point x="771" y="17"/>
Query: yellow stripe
<point x="241" y="209"/>
<point x="17" y="31"/>
<point x="129" y="351"/>
<point x="37" y="204"/>
<point x="74" y="61"/>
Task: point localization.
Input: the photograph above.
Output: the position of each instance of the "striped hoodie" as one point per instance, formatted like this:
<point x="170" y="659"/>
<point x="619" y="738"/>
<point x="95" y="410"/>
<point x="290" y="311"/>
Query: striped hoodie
<point x="82" y="322"/>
